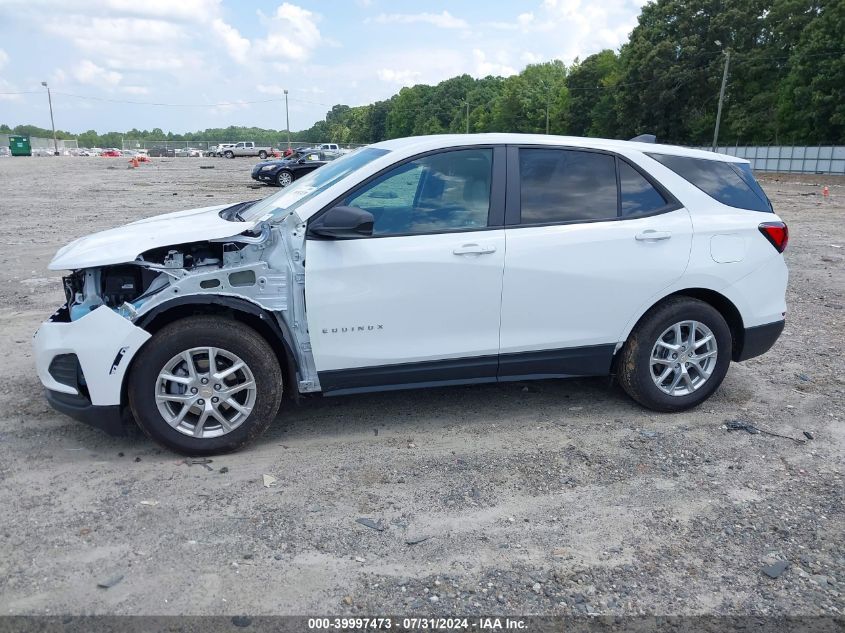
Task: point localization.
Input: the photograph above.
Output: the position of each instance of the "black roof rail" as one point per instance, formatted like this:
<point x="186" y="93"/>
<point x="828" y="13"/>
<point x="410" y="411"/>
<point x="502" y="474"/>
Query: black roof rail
<point x="645" y="138"/>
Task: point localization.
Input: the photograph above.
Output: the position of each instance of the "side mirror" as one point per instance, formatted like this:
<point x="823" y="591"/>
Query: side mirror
<point x="342" y="223"/>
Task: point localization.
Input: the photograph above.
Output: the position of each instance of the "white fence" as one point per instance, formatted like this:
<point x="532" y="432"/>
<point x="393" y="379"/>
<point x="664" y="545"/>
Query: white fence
<point x="790" y="159"/>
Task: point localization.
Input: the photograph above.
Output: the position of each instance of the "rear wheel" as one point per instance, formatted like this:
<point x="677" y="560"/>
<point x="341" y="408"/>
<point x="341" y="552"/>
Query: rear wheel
<point x="205" y="385"/>
<point x="262" y="154"/>
<point x="284" y="178"/>
<point x="677" y="355"/>
<point x="229" y="154"/>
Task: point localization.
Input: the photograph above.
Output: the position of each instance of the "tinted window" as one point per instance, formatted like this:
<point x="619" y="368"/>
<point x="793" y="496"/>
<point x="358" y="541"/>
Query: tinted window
<point x="638" y="194"/>
<point x="729" y="183"/>
<point x="443" y="192"/>
<point x="565" y="185"/>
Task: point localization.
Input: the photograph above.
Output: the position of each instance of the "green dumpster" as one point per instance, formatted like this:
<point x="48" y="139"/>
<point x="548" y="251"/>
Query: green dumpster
<point x="19" y="145"/>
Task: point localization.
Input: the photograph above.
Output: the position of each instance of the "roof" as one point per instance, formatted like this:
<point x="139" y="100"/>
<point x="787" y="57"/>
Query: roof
<point x="436" y="141"/>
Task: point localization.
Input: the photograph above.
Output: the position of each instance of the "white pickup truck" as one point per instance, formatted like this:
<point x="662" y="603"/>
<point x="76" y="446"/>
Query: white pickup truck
<point x="246" y="148"/>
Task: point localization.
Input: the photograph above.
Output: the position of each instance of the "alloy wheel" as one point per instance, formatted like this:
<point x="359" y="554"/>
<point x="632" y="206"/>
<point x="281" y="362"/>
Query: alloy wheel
<point x="683" y="358"/>
<point x="205" y="392"/>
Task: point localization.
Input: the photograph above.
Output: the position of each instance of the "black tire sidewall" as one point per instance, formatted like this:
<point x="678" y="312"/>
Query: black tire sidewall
<point x="641" y="386"/>
<point x="192" y="332"/>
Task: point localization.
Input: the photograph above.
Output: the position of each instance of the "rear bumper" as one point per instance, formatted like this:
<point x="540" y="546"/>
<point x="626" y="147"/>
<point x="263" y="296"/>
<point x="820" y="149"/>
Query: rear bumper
<point x="759" y="340"/>
<point x="107" y="418"/>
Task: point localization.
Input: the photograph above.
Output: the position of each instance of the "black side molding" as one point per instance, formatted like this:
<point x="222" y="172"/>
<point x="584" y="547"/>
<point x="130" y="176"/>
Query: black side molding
<point x="759" y="340"/>
<point x="593" y="360"/>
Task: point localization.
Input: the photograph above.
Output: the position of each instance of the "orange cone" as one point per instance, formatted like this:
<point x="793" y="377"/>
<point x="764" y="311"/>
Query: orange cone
<point x="826" y="191"/>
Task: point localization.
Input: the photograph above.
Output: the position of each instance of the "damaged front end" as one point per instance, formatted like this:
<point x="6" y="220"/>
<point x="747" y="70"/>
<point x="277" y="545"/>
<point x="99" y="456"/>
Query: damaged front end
<point x="262" y="266"/>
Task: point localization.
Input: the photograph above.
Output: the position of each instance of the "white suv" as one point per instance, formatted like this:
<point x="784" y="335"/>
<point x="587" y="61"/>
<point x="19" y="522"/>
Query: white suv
<point x="418" y="262"/>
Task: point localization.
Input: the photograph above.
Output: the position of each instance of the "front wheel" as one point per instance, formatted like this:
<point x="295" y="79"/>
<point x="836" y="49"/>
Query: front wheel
<point x="205" y="386"/>
<point x="284" y="178"/>
<point x="230" y="154"/>
<point x="676" y="356"/>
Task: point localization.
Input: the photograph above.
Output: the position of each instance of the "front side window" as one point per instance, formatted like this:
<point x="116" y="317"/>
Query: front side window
<point x="567" y="185"/>
<point x="449" y="191"/>
<point x="731" y="184"/>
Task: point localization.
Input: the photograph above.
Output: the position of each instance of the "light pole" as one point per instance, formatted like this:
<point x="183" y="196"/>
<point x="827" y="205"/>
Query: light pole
<point x="287" y="118"/>
<point x="548" y="105"/>
<point x="721" y="97"/>
<point x="52" y="123"/>
<point x="467" y="104"/>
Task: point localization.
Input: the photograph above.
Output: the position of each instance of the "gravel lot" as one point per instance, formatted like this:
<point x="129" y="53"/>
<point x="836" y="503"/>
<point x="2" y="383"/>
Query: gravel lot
<point x="551" y="498"/>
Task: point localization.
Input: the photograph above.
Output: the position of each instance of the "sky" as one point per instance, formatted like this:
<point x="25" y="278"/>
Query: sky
<point x="226" y="62"/>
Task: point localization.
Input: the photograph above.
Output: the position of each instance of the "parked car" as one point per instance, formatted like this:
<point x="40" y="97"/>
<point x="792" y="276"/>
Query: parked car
<point x="246" y="149"/>
<point x="284" y="171"/>
<point x="193" y="152"/>
<point x="160" y="152"/>
<point x="111" y="153"/>
<point x="5" y="151"/>
<point x="655" y="263"/>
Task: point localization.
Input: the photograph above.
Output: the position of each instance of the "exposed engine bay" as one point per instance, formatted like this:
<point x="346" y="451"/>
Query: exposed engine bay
<point x="264" y="265"/>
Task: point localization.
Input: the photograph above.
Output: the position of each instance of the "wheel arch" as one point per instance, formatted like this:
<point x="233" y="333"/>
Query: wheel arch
<point x="717" y="300"/>
<point x="240" y="310"/>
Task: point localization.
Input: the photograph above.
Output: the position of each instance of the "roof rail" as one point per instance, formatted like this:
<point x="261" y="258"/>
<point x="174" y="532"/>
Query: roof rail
<point x="645" y="138"/>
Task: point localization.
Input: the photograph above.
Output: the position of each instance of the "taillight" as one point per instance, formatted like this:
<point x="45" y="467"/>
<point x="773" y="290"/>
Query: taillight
<point x="777" y="233"/>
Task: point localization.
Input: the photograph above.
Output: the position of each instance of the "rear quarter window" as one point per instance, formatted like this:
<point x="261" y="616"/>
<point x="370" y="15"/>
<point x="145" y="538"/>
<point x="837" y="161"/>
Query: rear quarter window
<point x="732" y="184"/>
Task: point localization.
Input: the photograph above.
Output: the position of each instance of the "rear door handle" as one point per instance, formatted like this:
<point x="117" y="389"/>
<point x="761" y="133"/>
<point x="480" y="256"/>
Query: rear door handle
<point x="474" y="249"/>
<point x="651" y="235"/>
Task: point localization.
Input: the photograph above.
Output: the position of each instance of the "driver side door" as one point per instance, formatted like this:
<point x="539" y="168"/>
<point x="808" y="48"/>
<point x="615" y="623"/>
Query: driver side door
<point x="418" y="302"/>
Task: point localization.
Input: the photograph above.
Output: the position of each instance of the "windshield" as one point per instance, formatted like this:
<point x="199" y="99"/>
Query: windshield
<point x="302" y="190"/>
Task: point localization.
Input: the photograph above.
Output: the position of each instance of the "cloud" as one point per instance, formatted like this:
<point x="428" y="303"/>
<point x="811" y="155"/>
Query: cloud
<point x="292" y="34"/>
<point x="4" y="58"/>
<point x="497" y="67"/>
<point x="136" y="90"/>
<point x="402" y="77"/>
<point x="443" y="20"/>
<point x="87" y="72"/>
<point x="236" y="45"/>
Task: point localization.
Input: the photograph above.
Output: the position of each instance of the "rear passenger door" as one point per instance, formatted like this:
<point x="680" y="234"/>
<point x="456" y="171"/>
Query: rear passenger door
<point x="590" y="238"/>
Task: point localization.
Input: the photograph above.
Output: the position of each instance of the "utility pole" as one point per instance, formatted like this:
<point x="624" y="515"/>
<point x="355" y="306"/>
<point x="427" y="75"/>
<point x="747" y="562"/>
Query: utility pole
<point x="287" y="118"/>
<point x="52" y="123"/>
<point x="548" y="104"/>
<point x="467" y="102"/>
<point x="721" y="99"/>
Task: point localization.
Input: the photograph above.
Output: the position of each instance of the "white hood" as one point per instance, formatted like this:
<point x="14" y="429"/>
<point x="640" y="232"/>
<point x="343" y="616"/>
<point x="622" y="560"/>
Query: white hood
<point x="125" y="243"/>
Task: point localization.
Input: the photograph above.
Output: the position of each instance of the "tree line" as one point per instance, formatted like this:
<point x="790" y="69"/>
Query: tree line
<point x="786" y="85"/>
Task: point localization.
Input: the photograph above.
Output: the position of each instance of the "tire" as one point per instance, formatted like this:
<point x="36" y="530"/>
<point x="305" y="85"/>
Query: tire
<point x="284" y="178"/>
<point x="262" y="154"/>
<point x="229" y="154"/>
<point x="638" y="375"/>
<point x="232" y="341"/>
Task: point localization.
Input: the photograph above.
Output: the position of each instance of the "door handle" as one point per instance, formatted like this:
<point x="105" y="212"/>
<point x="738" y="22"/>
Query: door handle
<point x="474" y="249"/>
<point x="650" y="235"/>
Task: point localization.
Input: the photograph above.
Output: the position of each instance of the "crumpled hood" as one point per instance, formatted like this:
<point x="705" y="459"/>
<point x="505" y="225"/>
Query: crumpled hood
<point x="125" y="243"/>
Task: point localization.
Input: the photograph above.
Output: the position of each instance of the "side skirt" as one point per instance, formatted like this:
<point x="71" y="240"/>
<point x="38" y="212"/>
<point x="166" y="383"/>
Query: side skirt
<point x="572" y="362"/>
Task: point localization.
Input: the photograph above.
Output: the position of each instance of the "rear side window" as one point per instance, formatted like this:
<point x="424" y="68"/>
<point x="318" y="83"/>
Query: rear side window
<point x="638" y="196"/>
<point x="730" y="183"/>
<point x="566" y="185"/>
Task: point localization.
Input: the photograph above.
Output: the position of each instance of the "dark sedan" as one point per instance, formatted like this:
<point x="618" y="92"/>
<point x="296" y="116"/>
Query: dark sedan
<point x="284" y="171"/>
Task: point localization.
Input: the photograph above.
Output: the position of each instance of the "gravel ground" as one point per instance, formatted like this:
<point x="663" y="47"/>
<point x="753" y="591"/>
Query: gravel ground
<point x="557" y="497"/>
